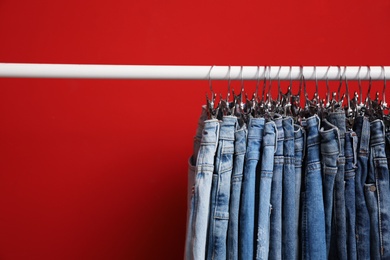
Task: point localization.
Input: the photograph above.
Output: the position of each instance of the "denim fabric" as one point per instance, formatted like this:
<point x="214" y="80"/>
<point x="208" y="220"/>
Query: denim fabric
<point x="267" y="165"/>
<point x="379" y="174"/>
<point x="203" y="181"/>
<point x="350" y="208"/>
<point x="247" y="205"/>
<point x="339" y="236"/>
<point x="191" y="181"/>
<point x="238" y="168"/>
<point x="370" y="193"/>
<point x="299" y="146"/>
<point x="313" y="215"/>
<point x="289" y="236"/>
<point x="276" y="196"/>
<point x="220" y="190"/>
<point x="330" y="151"/>
<point x="362" y="130"/>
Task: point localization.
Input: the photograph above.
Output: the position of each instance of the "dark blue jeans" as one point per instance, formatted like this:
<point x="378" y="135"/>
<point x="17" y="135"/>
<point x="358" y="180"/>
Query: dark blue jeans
<point x="289" y="236"/>
<point x="276" y="195"/>
<point x="220" y="191"/>
<point x="330" y="151"/>
<point x="235" y="196"/>
<point x="247" y="232"/>
<point x="351" y="141"/>
<point x="362" y="130"/>
<point x="313" y="215"/>
<point x="338" y="244"/>
<point x="378" y="175"/>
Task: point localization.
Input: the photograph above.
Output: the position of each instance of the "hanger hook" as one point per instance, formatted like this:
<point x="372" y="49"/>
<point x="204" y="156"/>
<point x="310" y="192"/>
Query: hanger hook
<point x="279" y="95"/>
<point x="228" y="93"/>
<point x="304" y="85"/>
<point x="384" y="104"/>
<point x="347" y="89"/>
<point x="315" y="73"/>
<point x="327" y="84"/>
<point x="341" y="82"/>
<point x="360" y="86"/>
<point x="369" y="86"/>
<point x="242" y="80"/>
<point x="265" y="81"/>
<point x="258" y="80"/>
<point x="269" y="85"/>
<point x="211" y="88"/>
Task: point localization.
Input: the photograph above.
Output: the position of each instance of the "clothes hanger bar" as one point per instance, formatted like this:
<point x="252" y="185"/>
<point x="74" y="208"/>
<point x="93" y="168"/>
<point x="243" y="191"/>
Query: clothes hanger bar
<point x="81" y="71"/>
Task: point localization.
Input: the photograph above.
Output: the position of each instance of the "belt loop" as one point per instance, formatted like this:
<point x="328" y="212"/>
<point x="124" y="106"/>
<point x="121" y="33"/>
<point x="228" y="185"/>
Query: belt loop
<point x="354" y="148"/>
<point x="318" y="122"/>
<point x="304" y="142"/>
<point x="276" y="137"/>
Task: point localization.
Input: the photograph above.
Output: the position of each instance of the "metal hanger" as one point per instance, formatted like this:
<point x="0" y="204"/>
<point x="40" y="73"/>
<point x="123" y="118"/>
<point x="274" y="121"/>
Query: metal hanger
<point x="295" y="102"/>
<point x="260" y="108"/>
<point x="224" y="105"/>
<point x="311" y="106"/>
<point x="349" y="115"/>
<point x="285" y="102"/>
<point x="250" y="104"/>
<point x="238" y="104"/>
<point x="368" y="101"/>
<point x="211" y="111"/>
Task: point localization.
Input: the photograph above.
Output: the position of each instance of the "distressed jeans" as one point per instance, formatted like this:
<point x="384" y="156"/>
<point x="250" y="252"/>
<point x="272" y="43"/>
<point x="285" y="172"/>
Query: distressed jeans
<point x="267" y="165"/>
<point x="235" y="196"/>
<point x="247" y="206"/>
<point x="220" y="190"/>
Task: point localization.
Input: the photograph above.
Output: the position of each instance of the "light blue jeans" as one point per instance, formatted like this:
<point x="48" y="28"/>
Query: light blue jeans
<point x="235" y="196"/>
<point x="220" y="191"/>
<point x="267" y="164"/>
<point x="330" y="150"/>
<point x="247" y="207"/>
<point x="313" y="215"/>
<point x="299" y="154"/>
<point x="276" y="195"/>
<point x="191" y="181"/>
<point x="202" y="190"/>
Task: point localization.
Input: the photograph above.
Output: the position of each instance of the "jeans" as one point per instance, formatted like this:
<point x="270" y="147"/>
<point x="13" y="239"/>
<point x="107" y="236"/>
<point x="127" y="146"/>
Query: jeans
<point x="267" y="165"/>
<point x="299" y="153"/>
<point x="238" y="168"/>
<point x="202" y="191"/>
<point x="220" y="190"/>
<point x="276" y="196"/>
<point x="350" y="208"/>
<point x="191" y="181"/>
<point x="388" y="148"/>
<point x="313" y="215"/>
<point x="362" y="130"/>
<point x="330" y="151"/>
<point x="379" y="176"/>
<point x="289" y="236"/>
<point x="247" y="206"/>
<point x="339" y="236"/>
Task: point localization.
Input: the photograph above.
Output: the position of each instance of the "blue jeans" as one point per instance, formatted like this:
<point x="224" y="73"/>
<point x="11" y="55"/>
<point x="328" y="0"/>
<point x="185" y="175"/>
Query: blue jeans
<point x="388" y="148"/>
<point x="330" y="151"/>
<point x="313" y="215"/>
<point x="202" y="190"/>
<point x="238" y="168"/>
<point x="289" y="235"/>
<point x="362" y="130"/>
<point x="339" y="236"/>
<point x="378" y="175"/>
<point x="191" y="181"/>
<point x="351" y="141"/>
<point x="299" y="154"/>
<point x="247" y="206"/>
<point x="276" y="195"/>
<point x="267" y="164"/>
<point x="220" y="190"/>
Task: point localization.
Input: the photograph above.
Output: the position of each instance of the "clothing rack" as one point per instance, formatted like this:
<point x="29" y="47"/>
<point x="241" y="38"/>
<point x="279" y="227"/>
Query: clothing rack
<point x="81" y="71"/>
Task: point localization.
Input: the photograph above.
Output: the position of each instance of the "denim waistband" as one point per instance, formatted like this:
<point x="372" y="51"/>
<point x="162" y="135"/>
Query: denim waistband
<point x="253" y="124"/>
<point x="362" y="130"/>
<point x="330" y="138"/>
<point x="377" y="135"/>
<point x="279" y="127"/>
<point x="228" y="131"/>
<point x="300" y="140"/>
<point x="338" y="119"/>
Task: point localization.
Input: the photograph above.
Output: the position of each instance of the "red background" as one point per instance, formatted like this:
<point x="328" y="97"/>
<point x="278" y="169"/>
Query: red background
<point x="97" y="169"/>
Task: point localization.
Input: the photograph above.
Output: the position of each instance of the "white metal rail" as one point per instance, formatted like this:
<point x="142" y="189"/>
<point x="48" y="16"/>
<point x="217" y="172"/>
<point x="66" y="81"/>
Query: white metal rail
<point x="34" y="70"/>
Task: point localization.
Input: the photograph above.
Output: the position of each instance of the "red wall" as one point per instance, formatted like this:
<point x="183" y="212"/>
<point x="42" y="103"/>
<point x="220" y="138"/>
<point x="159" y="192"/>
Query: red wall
<point x="97" y="169"/>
